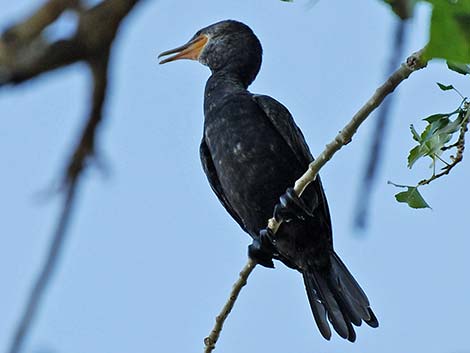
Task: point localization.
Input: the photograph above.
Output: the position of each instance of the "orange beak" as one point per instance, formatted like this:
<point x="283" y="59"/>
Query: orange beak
<point x="191" y="50"/>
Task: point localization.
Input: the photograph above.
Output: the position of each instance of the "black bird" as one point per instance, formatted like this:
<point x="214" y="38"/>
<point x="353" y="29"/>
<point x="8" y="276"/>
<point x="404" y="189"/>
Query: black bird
<point x="251" y="151"/>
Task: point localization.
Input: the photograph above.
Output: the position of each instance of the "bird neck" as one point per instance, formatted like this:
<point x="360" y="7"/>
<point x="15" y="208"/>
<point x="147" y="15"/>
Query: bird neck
<point x="224" y="82"/>
<point x="221" y="86"/>
<point x="227" y="77"/>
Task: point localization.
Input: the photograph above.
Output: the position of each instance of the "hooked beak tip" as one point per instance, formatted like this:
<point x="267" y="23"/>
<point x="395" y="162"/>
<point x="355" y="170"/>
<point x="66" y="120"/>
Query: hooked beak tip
<point x="163" y="61"/>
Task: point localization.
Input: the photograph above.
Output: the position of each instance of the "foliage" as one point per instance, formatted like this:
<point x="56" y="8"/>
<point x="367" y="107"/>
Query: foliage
<point x="433" y="141"/>
<point x="438" y="132"/>
<point x="449" y="39"/>
<point x="411" y="196"/>
<point x="450" y="31"/>
<point x="460" y="68"/>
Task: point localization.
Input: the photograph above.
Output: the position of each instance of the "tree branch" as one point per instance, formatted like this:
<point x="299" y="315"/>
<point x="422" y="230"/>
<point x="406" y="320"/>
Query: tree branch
<point x="86" y="145"/>
<point x="92" y="44"/>
<point x="24" y="54"/>
<point x="220" y="319"/>
<point x="41" y="18"/>
<point x="413" y="63"/>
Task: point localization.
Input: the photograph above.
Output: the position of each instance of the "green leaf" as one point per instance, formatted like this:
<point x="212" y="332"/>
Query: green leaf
<point x="433" y="146"/>
<point x="412" y="197"/>
<point x="452" y="127"/>
<point x="445" y="87"/>
<point x="431" y="129"/>
<point x="440" y="129"/>
<point x="434" y="137"/>
<point x="463" y="69"/>
<point x="415" y="154"/>
<point x="450" y="31"/>
<point x="435" y="117"/>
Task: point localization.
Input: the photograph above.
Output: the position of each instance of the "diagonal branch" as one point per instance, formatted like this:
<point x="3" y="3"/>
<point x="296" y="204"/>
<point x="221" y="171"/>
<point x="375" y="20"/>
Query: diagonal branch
<point x="210" y="340"/>
<point x="46" y="58"/>
<point x="413" y="63"/>
<point x="41" y="18"/>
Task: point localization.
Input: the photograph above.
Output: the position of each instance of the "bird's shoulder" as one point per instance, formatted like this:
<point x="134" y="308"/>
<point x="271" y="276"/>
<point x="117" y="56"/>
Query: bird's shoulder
<point x="284" y="123"/>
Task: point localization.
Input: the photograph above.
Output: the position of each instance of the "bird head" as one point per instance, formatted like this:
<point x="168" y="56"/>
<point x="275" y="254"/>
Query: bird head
<point x="229" y="46"/>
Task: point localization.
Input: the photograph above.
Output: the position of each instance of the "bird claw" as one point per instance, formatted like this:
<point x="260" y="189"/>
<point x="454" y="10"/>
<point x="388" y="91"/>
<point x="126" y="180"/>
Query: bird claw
<point x="291" y="207"/>
<point x="262" y="249"/>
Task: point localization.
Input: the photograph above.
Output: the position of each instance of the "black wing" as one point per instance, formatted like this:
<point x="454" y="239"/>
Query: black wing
<point x="209" y="170"/>
<point x="282" y="120"/>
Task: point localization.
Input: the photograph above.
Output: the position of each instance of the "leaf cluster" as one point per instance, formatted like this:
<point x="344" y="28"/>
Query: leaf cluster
<point x="440" y="130"/>
<point x="449" y="39"/>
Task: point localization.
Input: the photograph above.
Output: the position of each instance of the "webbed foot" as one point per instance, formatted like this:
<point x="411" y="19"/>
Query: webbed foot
<point x="291" y="207"/>
<point x="261" y="249"/>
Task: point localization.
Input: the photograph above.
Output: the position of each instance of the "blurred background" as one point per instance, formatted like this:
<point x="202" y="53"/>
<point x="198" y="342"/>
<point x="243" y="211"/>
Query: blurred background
<point x="152" y="255"/>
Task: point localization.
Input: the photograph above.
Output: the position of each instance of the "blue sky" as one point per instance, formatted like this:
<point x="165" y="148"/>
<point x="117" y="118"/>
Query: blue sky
<point x="151" y="255"/>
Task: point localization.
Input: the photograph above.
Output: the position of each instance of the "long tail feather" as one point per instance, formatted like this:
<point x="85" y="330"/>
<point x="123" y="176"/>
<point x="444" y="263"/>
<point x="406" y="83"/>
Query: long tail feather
<point x="334" y="294"/>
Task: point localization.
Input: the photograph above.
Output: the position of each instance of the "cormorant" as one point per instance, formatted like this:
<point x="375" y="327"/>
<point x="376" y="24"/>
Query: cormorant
<point x="251" y="151"/>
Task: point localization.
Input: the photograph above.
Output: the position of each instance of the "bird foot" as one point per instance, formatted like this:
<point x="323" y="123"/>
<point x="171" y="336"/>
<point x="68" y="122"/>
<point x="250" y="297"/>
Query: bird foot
<point x="291" y="207"/>
<point x="262" y="249"/>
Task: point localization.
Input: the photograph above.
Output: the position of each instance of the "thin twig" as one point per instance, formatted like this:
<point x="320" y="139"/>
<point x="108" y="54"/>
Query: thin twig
<point x="46" y="272"/>
<point x="211" y="340"/>
<point x="413" y="63"/>
<point x="460" y="145"/>
<point x="86" y="145"/>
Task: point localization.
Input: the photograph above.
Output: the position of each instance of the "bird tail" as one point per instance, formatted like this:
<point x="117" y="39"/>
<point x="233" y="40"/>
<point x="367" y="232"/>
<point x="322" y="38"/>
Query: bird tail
<point x="335" y="295"/>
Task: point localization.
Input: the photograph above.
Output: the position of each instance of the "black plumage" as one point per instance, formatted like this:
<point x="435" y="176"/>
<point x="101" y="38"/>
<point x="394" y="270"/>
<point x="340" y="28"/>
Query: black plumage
<point x="251" y="151"/>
